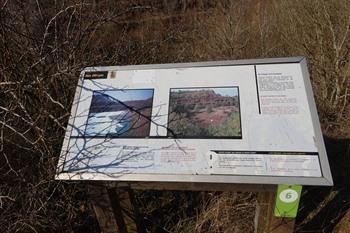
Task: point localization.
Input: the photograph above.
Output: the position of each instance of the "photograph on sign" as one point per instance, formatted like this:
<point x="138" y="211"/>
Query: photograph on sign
<point x="120" y="113"/>
<point x="204" y="112"/>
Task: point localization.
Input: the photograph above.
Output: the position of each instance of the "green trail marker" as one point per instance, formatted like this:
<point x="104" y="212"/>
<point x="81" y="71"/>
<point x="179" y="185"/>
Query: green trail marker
<point x="287" y="200"/>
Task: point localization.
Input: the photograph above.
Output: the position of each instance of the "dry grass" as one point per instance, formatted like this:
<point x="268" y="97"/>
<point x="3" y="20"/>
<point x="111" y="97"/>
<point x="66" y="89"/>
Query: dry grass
<point x="227" y="212"/>
<point x="44" y="44"/>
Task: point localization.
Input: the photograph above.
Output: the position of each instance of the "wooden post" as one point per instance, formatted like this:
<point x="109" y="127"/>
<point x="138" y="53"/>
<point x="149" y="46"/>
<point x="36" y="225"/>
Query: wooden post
<point x="265" y="221"/>
<point x="103" y="209"/>
<point x="115" y="209"/>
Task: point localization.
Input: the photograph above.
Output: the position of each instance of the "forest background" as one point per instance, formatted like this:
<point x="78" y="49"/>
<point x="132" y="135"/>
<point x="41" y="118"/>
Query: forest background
<point x="44" y="44"/>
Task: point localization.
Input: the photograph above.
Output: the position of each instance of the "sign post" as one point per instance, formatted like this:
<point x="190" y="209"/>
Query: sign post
<point x="227" y="125"/>
<point x="266" y="221"/>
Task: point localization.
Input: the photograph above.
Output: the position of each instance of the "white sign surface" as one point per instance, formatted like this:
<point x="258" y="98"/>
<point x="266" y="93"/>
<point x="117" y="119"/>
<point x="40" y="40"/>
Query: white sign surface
<point x="250" y="121"/>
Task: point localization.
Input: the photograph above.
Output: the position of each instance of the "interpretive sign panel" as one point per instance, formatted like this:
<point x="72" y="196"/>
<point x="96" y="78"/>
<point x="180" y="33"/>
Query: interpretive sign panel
<point x="244" y="121"/>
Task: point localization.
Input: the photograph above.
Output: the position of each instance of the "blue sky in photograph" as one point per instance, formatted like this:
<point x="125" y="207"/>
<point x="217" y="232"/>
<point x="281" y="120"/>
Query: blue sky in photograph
<point x="233" y="91"/>
<point x="125" y="95"/>
<point x="224" y="91"/>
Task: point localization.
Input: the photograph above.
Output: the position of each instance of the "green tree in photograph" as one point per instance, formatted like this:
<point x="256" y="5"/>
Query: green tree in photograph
<point x="182" y="126"/>
<point x="231" y="127"/>
<point x="209" y="109"/>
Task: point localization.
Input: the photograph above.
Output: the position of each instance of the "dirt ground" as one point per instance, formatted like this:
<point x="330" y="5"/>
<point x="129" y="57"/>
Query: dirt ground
<point x="214" y="118"/>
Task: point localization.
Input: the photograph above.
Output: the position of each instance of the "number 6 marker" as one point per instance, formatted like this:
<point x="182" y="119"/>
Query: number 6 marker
<point x="288" y="195"/>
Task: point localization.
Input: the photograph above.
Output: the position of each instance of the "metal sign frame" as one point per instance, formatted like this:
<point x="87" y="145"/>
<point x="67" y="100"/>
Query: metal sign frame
<point x="325" y="180"/>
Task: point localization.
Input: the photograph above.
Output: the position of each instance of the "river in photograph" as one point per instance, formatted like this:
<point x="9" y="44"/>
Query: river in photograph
<point x="108" y="123"/>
